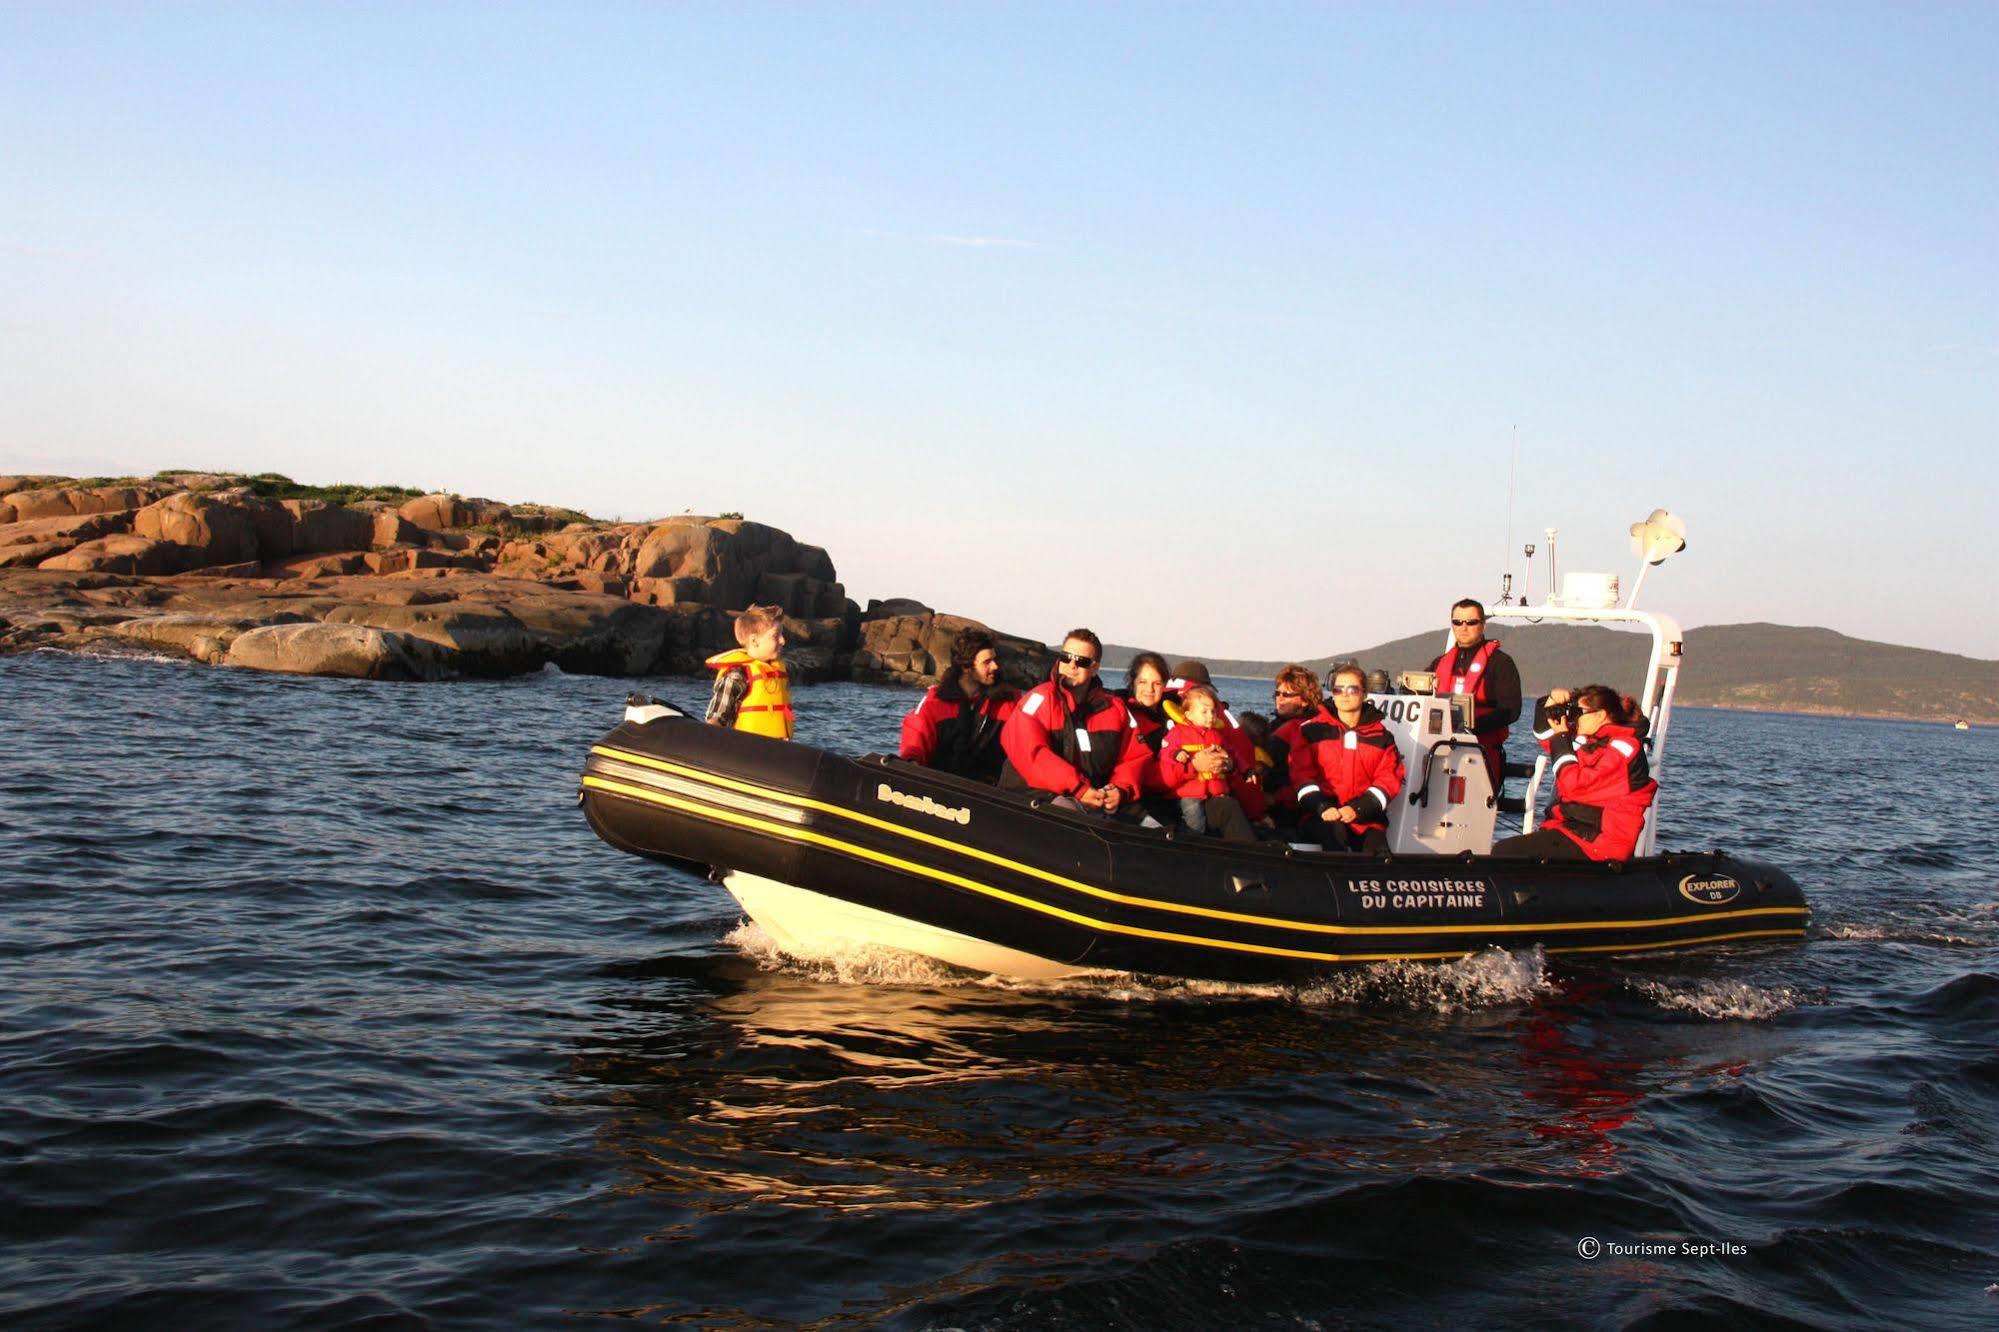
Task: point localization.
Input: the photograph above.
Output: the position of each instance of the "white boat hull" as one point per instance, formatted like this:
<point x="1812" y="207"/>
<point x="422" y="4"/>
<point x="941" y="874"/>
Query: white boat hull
<point x="812" y="926"/>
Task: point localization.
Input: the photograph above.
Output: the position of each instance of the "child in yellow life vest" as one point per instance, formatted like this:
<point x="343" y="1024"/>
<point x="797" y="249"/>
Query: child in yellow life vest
<point x="752" y="690"/>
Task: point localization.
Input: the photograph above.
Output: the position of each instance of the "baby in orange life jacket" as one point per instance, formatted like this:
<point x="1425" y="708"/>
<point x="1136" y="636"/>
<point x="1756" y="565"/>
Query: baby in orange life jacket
<point x="752" y="691"/>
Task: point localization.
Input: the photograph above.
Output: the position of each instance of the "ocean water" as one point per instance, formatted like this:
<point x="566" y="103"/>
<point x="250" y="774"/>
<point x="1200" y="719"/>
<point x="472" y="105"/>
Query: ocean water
<point x="320" y="1004"/>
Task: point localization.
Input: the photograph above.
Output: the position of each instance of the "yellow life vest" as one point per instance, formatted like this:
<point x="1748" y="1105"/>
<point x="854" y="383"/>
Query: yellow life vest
<point x="766" y="708"/>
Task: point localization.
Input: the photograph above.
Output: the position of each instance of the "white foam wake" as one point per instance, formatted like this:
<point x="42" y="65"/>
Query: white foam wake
<point x="1490" y="979"/>
<point x="1898" y="934"/>
<point x="1722" y="1001"/>
<point x="846" y="963"/>
<point x="1484" y="980"/>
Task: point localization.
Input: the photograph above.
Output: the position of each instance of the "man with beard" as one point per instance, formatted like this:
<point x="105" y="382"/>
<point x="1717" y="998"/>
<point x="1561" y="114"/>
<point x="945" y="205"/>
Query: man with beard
<point x="956" y="728"/>
<point x="1073" y="738"/>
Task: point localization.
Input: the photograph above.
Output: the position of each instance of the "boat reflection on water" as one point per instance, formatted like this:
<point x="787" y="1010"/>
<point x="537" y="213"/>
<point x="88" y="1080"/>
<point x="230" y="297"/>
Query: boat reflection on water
<point x="910" y="1087"/>
<point x="1588" y="1096"/>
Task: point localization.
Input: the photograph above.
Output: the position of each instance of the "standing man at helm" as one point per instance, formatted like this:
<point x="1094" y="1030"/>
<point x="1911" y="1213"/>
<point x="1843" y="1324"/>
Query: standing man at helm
<point x="1474" y="665"/>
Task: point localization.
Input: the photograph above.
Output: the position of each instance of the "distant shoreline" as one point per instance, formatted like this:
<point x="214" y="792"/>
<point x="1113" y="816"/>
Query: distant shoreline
<point x="1946" y="723"/>
<point x="1706" y="707"/>
<point x="167" y="658"/>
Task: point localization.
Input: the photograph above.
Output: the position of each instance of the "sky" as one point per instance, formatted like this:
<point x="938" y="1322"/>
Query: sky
<point x="1211" y="327"/>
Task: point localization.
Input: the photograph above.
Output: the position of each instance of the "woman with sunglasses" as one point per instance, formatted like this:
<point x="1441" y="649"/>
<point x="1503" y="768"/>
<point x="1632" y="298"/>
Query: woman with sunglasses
<point x="1345" y="769"/>
<point x="1603" y="785"/>
<point x="1295" y="698"/>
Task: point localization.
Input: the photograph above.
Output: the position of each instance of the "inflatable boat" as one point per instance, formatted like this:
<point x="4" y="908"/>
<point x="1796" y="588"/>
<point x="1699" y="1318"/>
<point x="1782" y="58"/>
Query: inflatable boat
<point x="824" y="851"/>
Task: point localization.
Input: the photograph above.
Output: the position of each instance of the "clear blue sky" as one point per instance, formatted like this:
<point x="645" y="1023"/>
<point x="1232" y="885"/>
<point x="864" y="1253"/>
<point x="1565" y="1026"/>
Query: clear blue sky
<point x="1206" y="326"/>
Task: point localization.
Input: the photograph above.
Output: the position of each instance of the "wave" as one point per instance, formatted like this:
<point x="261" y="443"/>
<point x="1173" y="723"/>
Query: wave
<point x="851" y="964"/>
<point x="1721" y="1000"/>
<point x="1973" y="995"/>
<point x="1915" y="934"/>
<point x="1489" y="979"/>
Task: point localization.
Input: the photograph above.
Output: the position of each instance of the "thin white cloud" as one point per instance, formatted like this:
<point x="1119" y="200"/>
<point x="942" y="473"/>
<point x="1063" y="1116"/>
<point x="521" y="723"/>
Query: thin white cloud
<point x="29" y="250"/>
<point x="986" y="242"/>
<point x="963" y="242"/>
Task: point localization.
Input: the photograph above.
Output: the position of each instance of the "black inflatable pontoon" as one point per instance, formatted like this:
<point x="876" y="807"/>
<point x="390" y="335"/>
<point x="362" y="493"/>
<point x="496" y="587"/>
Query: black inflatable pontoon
<point x="825" y="851"/>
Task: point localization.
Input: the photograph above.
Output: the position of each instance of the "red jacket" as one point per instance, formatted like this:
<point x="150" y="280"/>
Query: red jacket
<point x="1151" y="724"/>
<point x="1234" y="739"/>
<point x="1603" y="786"/>
<point x="1333" y="764"/>
<point x="1050" y="748"/>
<point x="1284" y="742"/>
<point x="1183" y="741"/>
<point x="952" y="733"/>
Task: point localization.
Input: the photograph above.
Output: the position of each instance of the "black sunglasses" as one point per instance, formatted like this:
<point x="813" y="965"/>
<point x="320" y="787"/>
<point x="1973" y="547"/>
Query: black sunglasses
<point x="1466" y="624"/>
<point x="1074" y="659"/>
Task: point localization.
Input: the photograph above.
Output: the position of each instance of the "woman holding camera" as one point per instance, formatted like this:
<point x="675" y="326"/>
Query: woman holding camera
<point x="1603" y="785"/>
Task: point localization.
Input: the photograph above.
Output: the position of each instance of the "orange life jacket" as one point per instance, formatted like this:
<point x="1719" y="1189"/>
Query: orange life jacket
<point x="766" y="708"/>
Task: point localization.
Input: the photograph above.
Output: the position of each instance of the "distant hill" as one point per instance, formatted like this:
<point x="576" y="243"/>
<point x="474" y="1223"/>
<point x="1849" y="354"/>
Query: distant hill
<point x="1778" y="667"/>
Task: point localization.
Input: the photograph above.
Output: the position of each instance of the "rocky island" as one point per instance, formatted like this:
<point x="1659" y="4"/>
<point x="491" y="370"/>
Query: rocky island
<point x="386" y="583"/>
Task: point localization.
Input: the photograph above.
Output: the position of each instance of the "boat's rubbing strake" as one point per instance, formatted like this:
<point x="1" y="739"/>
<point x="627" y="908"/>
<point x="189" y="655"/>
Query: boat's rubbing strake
<point x="709" y="796"/>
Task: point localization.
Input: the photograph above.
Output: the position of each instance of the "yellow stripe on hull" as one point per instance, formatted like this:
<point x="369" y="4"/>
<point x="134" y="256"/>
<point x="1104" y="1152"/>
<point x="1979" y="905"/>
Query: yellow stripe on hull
<point x="1155" y="904"/>
<point x="809" y="836"/>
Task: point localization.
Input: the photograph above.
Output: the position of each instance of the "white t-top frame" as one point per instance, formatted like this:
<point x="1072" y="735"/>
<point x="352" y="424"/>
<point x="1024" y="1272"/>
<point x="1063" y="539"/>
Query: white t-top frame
<point x="1655" y="698"/>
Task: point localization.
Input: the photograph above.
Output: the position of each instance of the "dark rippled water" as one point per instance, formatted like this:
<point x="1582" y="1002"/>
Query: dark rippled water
<point x="319" y="1003"/>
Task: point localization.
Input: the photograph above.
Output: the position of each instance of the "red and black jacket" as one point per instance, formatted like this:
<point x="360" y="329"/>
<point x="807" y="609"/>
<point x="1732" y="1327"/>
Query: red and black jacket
<point x="1151" y="724"/>
<point x="953" y="732"/>
<point x="1176" y="770"/>
<point x="1285" y="741"/>
<point x="1054" y="742"/>
<point x="1493" y="682"/>
<point x="1333" y="764"/>
<point x="1603" y="786"/>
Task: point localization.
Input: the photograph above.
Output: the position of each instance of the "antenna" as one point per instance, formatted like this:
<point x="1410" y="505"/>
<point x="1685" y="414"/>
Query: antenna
<point x="1512" y="473"/>
<point x="1553" y="582"/>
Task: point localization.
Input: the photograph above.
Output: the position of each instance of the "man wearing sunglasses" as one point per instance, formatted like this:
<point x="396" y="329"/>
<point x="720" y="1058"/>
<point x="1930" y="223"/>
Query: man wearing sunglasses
<point x="1474" y="665"/>
<point x="1072" y="737"/>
